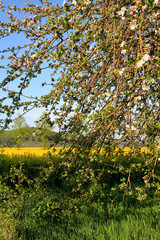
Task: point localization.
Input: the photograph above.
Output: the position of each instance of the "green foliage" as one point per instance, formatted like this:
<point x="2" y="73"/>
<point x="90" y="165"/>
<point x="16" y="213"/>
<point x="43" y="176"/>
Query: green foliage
<point x="7" y="139"/>
<point x="41" y="211"/>
<point x="44" y="132"/>
<point x="21" y="130"/>
<point x="53" y="196"/>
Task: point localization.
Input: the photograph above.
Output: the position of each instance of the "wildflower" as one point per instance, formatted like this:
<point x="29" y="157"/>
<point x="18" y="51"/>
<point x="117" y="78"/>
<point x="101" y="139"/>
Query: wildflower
<point x="157" y="104"/>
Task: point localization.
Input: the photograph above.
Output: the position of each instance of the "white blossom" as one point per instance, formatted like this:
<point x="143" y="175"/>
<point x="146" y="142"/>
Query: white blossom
<point x="148" y="46"/>
<point x="122" y="11"/>
<point x="122" y="44"/>
<point x="146" y="57"/>
<point x="9" y="29"/>
<point x="34" y="56"/>
<point x="153" y="81"/>
<point x="64" y="3"/>
<point x="137" y="99"/>
<point x="133" y="26"/>
<point x="144" y="87"/>
<point x="121" y="71"/>
<point x="74" y="2"/>
<point x="156" y="2"/>
<point x="140" y="63"/>
<point x="108" y="94"/>
<point x="157" y="104"/>
<point x="87" y="2"/>
<point x="123" y="51"/>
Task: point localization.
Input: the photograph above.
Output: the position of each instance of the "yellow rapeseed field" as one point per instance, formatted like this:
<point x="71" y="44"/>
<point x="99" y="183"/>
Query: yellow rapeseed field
<point x="38" y="151"/>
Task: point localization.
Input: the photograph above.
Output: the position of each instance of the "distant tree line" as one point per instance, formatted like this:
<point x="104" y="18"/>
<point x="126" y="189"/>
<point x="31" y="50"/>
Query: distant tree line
<point x="21" y="134"/>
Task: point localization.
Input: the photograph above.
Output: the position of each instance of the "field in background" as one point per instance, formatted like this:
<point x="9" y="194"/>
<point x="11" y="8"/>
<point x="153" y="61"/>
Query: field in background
<point x="39" y="151"/>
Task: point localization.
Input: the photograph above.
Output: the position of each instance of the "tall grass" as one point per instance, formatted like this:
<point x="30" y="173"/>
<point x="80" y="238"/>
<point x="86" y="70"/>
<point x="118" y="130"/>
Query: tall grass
<point x="131" y="223"/>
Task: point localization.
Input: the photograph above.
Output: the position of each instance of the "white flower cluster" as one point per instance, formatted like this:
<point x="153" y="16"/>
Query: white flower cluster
<point x="121" y="71"/>
<point x="144" y="59"/>
<point x="85" y="1"/>
<point x="122" y="11"/>
<point x="156" y="2"/>
<point x="137" y="100"/>
<point x="74" y="2"/>
<point x="122" y="44"/>
<point x="144" y="87"/>
<point x="108" y="94"/>
<point x="34" y="56"/>
<point x="64" y="3"/>
<point x="133" y="26"/>
<point x="123" y="51"/>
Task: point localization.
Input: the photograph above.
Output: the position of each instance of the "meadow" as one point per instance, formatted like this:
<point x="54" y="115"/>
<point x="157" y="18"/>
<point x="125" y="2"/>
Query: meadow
<point x="42" y="196"/>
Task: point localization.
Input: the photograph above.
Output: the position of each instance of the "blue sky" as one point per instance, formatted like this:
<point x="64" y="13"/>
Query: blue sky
<point x="35" y="88"/>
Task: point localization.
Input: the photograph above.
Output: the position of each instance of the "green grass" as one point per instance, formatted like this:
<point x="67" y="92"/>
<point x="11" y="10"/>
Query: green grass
<point x="141" y="222"/>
